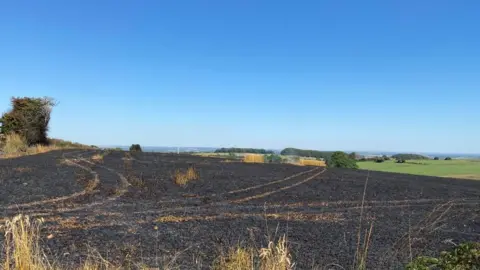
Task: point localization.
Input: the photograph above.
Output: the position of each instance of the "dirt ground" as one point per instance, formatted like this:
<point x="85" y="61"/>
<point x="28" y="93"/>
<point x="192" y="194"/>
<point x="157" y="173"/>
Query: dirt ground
<point x="127" y="207"/>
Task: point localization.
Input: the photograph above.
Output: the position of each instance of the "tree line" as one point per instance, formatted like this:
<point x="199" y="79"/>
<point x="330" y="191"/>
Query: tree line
<point x="325" y="155"/>
<point x="409" y="157"/>
<point x="244" y="150"/>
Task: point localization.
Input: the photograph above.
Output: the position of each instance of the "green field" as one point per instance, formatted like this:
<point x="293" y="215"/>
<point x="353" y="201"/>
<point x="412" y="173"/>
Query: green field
<point x="461" y="168"/>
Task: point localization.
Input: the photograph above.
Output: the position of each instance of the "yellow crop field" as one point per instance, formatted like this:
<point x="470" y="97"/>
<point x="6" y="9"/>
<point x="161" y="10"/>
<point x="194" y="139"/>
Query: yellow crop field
<point x="312" y="162"/>
<point x="254" y="158"/>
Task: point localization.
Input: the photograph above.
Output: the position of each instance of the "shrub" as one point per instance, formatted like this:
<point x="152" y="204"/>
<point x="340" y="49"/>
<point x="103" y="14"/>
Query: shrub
<point x="401" y="160"/>
<point x="272" y="158"/>
<point x="341" y="160"/>
<point x="436" y="158"/>
<point x="28" y="117"/>
<point x="385" y="157"/>
<point x="379" y="160"/>
<point x="463" y="256"/>
<point x="135" y="148"/>
<point x="448" y="158"/>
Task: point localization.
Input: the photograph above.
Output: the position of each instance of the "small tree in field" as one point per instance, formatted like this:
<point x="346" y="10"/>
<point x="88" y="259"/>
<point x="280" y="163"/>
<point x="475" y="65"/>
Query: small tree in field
<point x="436" y="158"/>
<point x="448" y="158"/>
<point x="342" y="160"/>
<point x="135" y="148"/>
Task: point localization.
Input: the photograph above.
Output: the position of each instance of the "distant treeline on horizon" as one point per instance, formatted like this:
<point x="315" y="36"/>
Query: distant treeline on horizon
<point x="244" y="150"/>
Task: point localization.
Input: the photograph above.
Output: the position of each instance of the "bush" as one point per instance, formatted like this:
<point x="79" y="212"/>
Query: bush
<point x="401" y="161"/>
<point x="273" y="158"/>
<point x="463" y="256"/>
<point x="135" y="148"/>
<point x="385" y="157"/>
<point x="379" y="160"/>
<point x="29" y="118"/>
<point x="448" y="158"/>
<point x="436" y="158"/>
<point x="341" y="160"/>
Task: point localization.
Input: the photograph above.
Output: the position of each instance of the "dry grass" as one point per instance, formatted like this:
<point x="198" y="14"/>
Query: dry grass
<point x="312" y="162"/>
<point x="15" y="145"/>
<point x="236" y="259"/>
<point x="98" y="157"/>
<point x="22" y="249"/>
<point x="23" y="252"/>
<point x="182" y="178"/>
<point x="276" y="256"/>
<point x="254" y="158"/>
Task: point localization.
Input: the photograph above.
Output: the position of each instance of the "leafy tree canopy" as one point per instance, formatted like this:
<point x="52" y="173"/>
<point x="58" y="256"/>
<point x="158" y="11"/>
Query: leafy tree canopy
<point x="135" y="148"/>
<point x="342" y="160"/>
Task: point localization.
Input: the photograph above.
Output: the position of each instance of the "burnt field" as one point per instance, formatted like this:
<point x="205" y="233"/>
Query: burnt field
<point x="128" y="208"/>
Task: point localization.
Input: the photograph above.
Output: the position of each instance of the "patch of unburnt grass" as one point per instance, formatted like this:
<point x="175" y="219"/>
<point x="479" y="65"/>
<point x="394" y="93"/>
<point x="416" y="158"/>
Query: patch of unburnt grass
<point x="276" y="256"/>
<point x="182" y="178"/>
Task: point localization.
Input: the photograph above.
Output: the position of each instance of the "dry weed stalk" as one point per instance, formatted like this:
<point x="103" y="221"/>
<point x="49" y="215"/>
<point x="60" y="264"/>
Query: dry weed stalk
<point x="360" y="257"/>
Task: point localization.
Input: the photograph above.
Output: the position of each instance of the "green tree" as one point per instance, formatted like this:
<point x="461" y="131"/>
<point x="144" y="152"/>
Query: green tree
<point x="436" y="158"/>
<point x="352" y="155"/>
<point x="135" y="148"/>
<point x="340" y="159"/>
<point x="448" y="158"/>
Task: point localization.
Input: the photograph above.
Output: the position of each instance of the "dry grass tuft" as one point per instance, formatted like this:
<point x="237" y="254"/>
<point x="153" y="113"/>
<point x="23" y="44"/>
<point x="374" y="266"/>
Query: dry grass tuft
<point x="97" y="157"/>
<point x="22" y="249"/>
<point x="312" y="162"/>
<point x="254" y="158"/>
<point x="276" y="256"/>
<point x="182" y="178"/>
<point x="236" y="259"/>
<point x="14" y="144"/>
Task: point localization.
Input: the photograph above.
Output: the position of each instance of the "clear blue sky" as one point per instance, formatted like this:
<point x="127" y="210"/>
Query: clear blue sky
<point x="331" y="75"/>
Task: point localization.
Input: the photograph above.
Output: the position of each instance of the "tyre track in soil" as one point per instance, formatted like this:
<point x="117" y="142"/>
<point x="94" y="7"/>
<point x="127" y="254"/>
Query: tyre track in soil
<point x="103" y="185"/>
<point x="227" y="199"/>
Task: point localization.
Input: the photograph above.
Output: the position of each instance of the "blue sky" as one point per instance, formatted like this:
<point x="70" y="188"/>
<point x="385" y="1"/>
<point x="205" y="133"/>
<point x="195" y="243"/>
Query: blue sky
<point x="329" y="75"/>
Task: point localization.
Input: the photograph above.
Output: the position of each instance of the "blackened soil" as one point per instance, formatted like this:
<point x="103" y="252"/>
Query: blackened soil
<point x="135" y="214"/>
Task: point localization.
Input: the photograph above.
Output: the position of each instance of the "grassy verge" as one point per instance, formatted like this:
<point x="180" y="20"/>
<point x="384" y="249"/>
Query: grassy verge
<point x="13" y="145"/>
